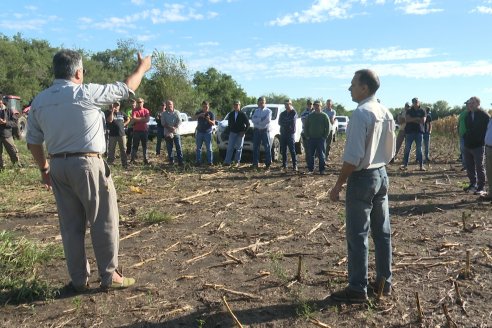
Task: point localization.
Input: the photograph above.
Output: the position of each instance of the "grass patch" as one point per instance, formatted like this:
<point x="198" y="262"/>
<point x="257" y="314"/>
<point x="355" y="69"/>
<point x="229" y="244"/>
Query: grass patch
<point x="155" y="216"/>
<point x="19" y="262"/>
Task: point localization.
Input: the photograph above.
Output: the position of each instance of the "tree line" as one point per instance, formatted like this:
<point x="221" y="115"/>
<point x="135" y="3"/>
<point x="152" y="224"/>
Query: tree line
<point x="26" y="70"/>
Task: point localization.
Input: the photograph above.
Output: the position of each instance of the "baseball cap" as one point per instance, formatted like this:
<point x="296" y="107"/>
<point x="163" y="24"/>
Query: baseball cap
<point x="237" y="102"/>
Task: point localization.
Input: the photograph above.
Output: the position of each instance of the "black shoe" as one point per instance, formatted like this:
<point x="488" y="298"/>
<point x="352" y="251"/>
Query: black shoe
<point x="373" y="289"/>
<point x="348" y="295"/>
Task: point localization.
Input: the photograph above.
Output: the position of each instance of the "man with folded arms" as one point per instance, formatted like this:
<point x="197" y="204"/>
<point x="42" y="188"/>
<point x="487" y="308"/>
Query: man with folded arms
<point x="67" y="117"/>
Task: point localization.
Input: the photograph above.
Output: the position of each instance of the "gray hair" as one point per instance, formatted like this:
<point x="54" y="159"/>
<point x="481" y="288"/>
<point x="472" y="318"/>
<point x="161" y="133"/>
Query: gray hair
<point x="66" y="63"/>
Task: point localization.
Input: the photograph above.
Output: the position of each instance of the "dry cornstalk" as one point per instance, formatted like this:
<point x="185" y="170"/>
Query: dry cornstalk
<point x="299" y="270"/>
<point x="343" y="260"/>
<point x="136" y="265"/>
<point x="318" y="323"/>
<point x="203" y="193"/>
<point x="459" y="299"/>
<point x="326" y="239"/>
<point x="420" y="314"/>
<point x="199" y="257"/>
<point x="316" y="227"/>
<point x="231" y="313"/>
<point x="487" y="255"/>
<point x="225" y="263"/>
<point x="463" y="218"/>
<point x="186" y="277"/>
<point x="132" y="234"/>
<point x="424" y="264"/>
<point x="335" y="273"/>
<point x="257" y="243"/>
<point x="230" y="291"/>
<point x="450" y="321"/>
<point x="239" y="261"/>
<point x="181" y="309"/>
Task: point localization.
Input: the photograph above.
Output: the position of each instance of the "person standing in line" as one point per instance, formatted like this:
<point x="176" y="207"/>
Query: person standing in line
<point x="401" y="132"/>
<point x="8" y="121"/>
<point x="261" y="126"/>
<point x="414" y="129"/>
<point x="238" y="124"/>
<point x="308" y="110"/>
<point x="116" y="122"/>
<point x="476" y="122"/>
<point x="160" y="129"/>
<point x="488" y="162"/>
<point x="287" y="121"/>
<point x="170" y="121"/>
<point x="66" y="117"/>
<point x="140" y="118"/>
<point x="369" y="147"/>
<point x="427" y="134"/>
<point x="129" y="127"/>
<point x="317" y="129"/>
<point x="331" y="115"/>
<point x="204" y="129"/>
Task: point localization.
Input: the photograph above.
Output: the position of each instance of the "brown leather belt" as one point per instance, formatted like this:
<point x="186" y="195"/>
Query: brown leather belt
<point x="65" y="155"/>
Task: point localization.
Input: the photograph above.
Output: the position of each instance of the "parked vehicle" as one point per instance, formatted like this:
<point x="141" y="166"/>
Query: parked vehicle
<point x="152" y="125"/>
<point x="187" y="127"/>
<point x="222" y="135"/>
<point x="342" y="123"/>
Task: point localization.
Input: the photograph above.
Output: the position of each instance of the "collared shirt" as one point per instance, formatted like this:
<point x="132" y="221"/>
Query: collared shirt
<point x="488" y="134"/>
<point x="331" y="114"/>
<point x="304" y="116"/>
<point x="170" y="119"/>
<point x="68" y="118"/>
<point x="371" y="137"/>
<point x="261" y="118"/>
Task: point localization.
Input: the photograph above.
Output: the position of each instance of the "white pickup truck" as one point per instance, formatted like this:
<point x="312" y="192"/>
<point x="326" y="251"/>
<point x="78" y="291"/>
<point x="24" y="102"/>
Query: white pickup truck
<point x="222" y="135"/>
<point x="187" y="127"/>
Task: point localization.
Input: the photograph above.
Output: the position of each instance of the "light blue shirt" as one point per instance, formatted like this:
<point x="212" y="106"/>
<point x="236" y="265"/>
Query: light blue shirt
<point x="261" y="118"/>
<point x="68" y="118"/>
<point x="371" y="137"/>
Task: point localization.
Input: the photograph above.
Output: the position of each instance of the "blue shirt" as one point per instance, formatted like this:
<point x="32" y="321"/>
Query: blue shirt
<point x="203" y="125"/>
<point x="287" y="121"/>
<point x="261" y="118"/>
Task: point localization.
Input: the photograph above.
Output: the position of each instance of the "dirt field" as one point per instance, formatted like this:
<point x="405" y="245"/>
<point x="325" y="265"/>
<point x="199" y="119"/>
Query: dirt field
<point x="241" y="234"/>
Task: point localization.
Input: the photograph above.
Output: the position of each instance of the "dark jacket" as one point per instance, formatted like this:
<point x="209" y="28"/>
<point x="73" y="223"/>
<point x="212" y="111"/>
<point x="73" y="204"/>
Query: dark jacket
<point x="241" y="124"/>
<point x="287" y="121"/>
<point x="476" y="129"/>
<point x="6" y="129"/>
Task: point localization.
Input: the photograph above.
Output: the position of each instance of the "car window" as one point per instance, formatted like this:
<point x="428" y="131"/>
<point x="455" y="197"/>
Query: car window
<point x="341" y="119"/>
<point x="250" y="110"/>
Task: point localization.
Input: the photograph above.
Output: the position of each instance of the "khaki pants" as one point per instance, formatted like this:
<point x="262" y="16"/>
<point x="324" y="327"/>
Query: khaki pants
<point x="85" y="196"/>
<point x="9" y="145"/>
<point x="121" y="141"/>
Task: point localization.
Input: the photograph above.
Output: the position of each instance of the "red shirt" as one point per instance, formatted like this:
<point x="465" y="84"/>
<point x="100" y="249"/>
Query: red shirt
<point x="142" y="112"/>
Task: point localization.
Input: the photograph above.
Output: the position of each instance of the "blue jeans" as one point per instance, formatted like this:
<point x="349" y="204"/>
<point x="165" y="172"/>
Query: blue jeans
<point x="409" y="139"/>
<point x="176" y="140"/>
<point x="139" y="137"/>
<point x="202" y="137"/>
<point x="160" y="136"/>
<point x="366" y="208"/>
<point x="426" y="138"/>
<point x="316" y="146"/>
<point x="236" y="141"/>
<point x="261" y="137"/>
<point x="287" y="141"/>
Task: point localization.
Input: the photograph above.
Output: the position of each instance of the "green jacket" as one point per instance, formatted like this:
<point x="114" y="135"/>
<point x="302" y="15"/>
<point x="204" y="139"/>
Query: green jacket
<point x="317" y="125"/>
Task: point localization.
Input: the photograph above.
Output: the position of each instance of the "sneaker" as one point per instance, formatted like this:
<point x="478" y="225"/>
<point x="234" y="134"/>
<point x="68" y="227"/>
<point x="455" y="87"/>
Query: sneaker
<point x="470" y="189"/>
<point x="421" y="168"/>
<point x="403" y="168"/>
<point x="226" y="164"/>
<point x="295" y="169"/>
<point x="479" y="192"/>
<point x="254" y="166"/>
<point x="348" y="295"/>
<point x="267" y="168"/>
<point x="309" y="172"/>
<point x="322" y="172"/>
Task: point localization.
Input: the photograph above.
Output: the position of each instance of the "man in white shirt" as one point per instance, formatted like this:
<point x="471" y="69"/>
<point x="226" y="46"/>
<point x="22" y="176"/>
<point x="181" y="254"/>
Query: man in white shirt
<point x="261" y="124"/>
<point x="369" y="148"/>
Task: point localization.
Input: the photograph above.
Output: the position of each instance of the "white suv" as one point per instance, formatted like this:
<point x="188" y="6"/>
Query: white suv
<point x="342" y="123"/>
<point x="222" y="134"/>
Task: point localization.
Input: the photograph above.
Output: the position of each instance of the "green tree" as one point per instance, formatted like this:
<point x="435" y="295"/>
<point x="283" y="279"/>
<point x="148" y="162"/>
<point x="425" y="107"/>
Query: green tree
<point x="219" y="89"/>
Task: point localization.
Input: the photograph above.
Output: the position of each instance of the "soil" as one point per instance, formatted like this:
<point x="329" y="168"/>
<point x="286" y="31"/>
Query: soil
<point x="244" y="234"/>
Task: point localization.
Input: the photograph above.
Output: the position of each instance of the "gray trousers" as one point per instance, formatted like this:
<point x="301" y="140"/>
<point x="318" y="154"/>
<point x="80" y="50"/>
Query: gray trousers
<point x="9" y="145"/>
<point x="121" y="141"/>
<point x="474" y="166"/>
<point x="85" y="196"/>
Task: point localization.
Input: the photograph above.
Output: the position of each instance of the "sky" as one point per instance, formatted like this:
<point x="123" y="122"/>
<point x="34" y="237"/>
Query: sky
<point x="430" y="49"/>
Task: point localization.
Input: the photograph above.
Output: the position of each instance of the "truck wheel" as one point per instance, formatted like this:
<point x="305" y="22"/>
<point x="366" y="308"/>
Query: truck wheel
<point x="21" y="125"/>
<point x="275" y="150"/>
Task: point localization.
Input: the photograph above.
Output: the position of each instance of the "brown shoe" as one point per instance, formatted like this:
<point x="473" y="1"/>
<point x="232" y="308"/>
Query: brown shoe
<point x="348" y="295"/>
